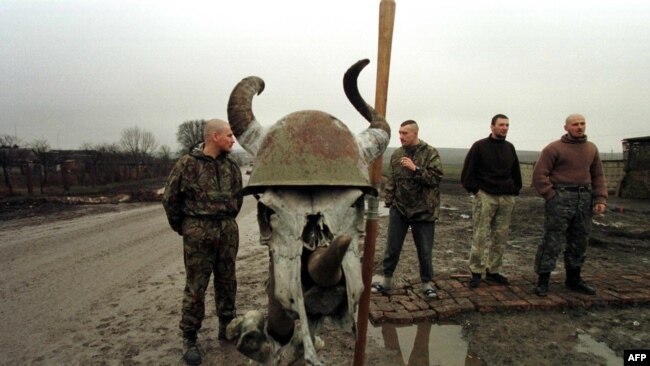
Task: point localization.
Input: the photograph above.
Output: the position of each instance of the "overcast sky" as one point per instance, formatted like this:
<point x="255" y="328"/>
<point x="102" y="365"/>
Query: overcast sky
<point x="76" y="72"/>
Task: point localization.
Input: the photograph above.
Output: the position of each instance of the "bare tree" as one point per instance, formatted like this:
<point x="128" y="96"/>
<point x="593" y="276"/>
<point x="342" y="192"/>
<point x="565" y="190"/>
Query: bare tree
<point x="139" y="144"/>
<point x="189" y="134"/>
<point x="165" y="152"/>
<point x="40" y="148"/>
<point x="10" y="141"/>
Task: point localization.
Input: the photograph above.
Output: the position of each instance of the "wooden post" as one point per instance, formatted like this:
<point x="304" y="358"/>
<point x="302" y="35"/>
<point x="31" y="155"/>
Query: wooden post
<point x="386" y="21"/>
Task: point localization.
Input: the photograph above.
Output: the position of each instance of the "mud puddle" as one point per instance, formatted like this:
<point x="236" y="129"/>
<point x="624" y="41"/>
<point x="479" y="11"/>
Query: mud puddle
<point x="589" y="345"/>
<point x="424" y="344"/>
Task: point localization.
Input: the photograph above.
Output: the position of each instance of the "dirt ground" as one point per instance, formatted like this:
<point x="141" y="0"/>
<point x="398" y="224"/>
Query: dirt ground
<point x="620" y="242"/>
<point x="127" y="313"/>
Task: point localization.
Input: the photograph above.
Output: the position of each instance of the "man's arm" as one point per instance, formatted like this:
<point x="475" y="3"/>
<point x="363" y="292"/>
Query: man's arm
<point x="542" y="172"/>
<point x="172" y="199"/>
<point x="431" y="173"/>
<point x="598" y="184"/>
<point x="516" y="171"/>
<point x="389" y="189"/>
<point x="468" y="175"/>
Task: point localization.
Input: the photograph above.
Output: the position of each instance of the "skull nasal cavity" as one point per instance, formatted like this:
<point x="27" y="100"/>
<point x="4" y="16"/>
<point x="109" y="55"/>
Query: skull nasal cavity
<point x="315" y="233"/>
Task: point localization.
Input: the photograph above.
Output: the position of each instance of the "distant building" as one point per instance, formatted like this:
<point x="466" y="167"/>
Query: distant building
<point x="636" y="182"/>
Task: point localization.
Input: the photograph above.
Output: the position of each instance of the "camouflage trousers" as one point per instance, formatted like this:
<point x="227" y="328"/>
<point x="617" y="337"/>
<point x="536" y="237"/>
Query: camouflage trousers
<point x="491" y="216"/>
<point x="567" y="225"/>
<point x="209" y="246"/>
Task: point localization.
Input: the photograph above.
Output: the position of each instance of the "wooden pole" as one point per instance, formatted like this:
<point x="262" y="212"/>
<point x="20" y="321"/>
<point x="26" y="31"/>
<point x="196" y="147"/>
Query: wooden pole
<point x="386" y="21"/>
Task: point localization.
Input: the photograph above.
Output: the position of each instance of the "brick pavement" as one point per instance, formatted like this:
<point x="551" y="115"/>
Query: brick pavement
<point x="406" y="304"/>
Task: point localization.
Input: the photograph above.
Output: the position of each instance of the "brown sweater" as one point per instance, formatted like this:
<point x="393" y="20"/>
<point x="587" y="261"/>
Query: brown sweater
<point x="570" y="162"/>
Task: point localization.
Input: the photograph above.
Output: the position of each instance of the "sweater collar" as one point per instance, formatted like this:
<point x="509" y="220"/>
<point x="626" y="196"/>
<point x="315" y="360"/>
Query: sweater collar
<point x="566" y="138"/>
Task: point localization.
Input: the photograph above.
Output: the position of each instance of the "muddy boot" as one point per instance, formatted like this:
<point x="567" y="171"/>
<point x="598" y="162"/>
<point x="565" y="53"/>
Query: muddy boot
<point x="192" y="355"/>
<point x="542" y="284"/>
<point x="475" y="281"/>
<point x="497" y="278"/>
<point x="223" y="324"/>
<point x="575" y="283"/>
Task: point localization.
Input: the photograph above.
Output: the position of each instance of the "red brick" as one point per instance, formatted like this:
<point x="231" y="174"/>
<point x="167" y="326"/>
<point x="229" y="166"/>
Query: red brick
<point x="457" y="284"/>
<point x="518" y="281"/>
<point x="421" y="304"/>
<point x="389" y="306"/>
<point x="557" y="300"/>
<point x="409" y="306"/>
<point x="572" y="301"/>
<point x="446" y="311"/>
<point x="503" y="296"/>
<point x="442" y="295"/>
<point x="422" y="315"/>
<point x="516" y="305"/>
<point x="464" y="293"/>
<point x="465" y="305"/>
<point x="376" y="317"/>
<point x="488" y="307"/>
<point x="396" y="292"/>
<point x="522" y="289"/>
<point x="493" y="287"/>
<point x="399" y="317"/>
<point x="399" y="298"/>
<point x="483" y="291"/>
<point x="378" y="298"/>
<point x="445" y="302"/>
<point x="445" y="284"/>
<point x="541" y="304"/>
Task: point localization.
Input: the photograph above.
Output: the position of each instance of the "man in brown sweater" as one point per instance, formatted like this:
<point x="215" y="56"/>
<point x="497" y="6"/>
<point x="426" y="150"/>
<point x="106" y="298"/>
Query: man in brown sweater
<point x="569" y="175"/>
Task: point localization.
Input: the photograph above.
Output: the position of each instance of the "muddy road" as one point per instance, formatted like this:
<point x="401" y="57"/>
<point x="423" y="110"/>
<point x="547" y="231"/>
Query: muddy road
<point x="102" y="285"/>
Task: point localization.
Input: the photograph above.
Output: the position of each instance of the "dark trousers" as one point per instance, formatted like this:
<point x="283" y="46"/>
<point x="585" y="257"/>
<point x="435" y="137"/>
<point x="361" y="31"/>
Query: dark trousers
<point x="423" y="232"/>
<point x="567" y="225"/>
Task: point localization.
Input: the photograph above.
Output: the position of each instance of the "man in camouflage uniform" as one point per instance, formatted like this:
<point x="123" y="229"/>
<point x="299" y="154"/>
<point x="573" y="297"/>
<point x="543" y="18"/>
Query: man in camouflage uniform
<point x="413" y="195"/>
<point x="202" y="199"/>
<point x="569" y="175"/>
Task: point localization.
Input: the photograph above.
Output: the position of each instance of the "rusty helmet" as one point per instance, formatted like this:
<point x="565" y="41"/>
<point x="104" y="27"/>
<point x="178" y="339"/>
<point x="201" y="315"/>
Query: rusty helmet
<point x="309" y="149"/>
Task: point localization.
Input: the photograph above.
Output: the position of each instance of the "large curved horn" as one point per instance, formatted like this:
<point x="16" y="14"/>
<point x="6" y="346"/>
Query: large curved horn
<point x="374" y="140"/>
<point x="324" y="264"/>
<point x="247" y="130"/>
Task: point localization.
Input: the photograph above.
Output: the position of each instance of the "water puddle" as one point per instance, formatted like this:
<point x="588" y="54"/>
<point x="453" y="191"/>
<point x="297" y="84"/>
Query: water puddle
<point x="424" y="344"/>
<point x="589" y="345"/>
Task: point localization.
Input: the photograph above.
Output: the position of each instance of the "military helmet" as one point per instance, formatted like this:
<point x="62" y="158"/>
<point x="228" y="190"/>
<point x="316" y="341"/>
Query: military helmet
<point x="309" y="149"/>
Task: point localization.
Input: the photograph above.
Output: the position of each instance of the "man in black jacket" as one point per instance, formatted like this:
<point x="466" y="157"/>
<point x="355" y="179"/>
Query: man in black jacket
<point x="491" y="172"/>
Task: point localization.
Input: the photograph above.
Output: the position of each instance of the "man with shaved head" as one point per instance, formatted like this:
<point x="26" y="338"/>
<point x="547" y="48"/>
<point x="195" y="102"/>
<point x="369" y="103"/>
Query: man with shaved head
<point x="413" y="195"/>
<point x="569" y="175"/>
<point x="202" y="199"/>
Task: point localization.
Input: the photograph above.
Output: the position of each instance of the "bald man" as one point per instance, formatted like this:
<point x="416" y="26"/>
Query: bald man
<point x="569" y="175"/>
<point x="202" y="199"/>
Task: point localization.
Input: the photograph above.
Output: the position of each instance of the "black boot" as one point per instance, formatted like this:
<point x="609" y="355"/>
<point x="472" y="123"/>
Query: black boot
<point x="475" y="281"/>
<point x="575" y="283"/>
<point x="192" y="355"/>
<point x="223" y="324"/>
<point x="542" y="284"/>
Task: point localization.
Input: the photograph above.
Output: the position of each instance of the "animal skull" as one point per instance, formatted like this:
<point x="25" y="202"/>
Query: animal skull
<point x="311" y="174"/>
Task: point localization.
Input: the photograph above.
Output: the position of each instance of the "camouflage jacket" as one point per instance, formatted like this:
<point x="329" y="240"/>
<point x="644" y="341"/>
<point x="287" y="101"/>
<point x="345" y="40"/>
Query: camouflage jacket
<point x="415" y="194"/>
<point x="202" y="186"/>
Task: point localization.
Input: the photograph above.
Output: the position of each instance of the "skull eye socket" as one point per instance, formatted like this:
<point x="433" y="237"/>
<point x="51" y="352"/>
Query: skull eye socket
<point x="315" y="234"/>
